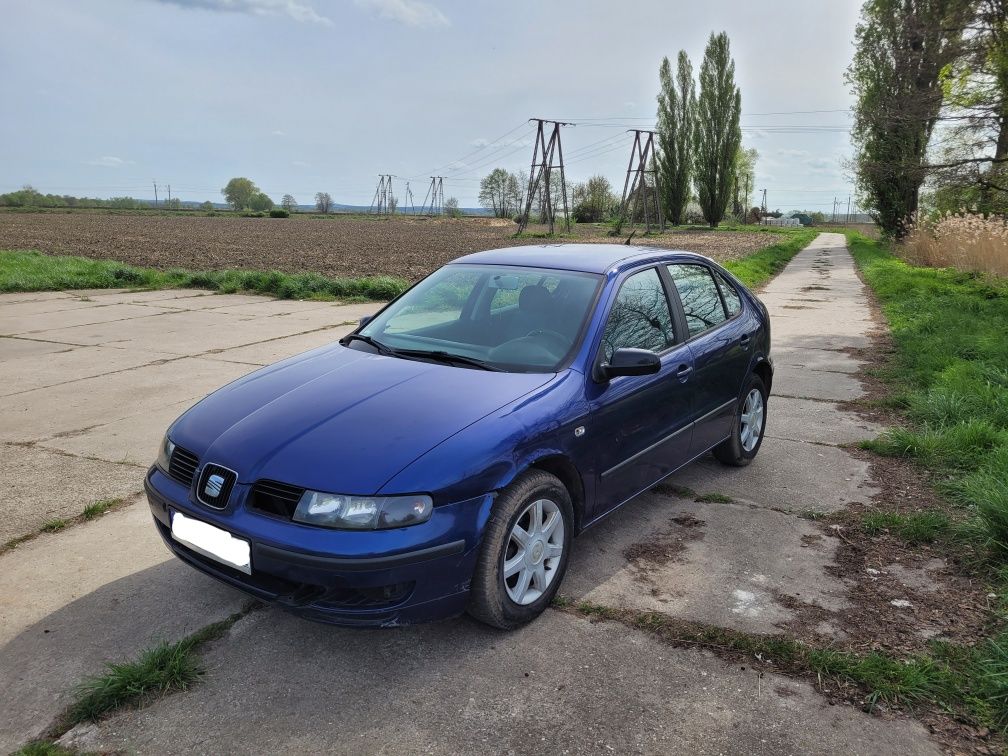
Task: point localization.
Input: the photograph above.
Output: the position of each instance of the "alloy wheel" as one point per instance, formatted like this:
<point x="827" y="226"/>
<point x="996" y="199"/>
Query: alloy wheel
<point x="752" y="420"/>
<point x="533" y="550"/>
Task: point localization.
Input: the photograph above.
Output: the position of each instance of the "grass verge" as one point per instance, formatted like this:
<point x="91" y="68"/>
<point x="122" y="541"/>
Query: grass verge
<point x="756" y="269"/>
<point x="33" y="271"/>
<point x="949" y="377"/>
<point x="948" y="677"/>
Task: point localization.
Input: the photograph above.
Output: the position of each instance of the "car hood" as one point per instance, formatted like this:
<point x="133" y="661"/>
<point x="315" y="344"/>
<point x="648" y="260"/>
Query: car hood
<point x="341" y="420"/>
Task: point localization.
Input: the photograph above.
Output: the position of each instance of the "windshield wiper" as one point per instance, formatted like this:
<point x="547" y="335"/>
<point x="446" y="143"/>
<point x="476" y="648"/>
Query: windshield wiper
<point x="447" y="357"/>
<point x="382" y="349"/>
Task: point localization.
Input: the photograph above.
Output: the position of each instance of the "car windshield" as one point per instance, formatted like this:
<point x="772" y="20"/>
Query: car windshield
<point x="494" y="316"/>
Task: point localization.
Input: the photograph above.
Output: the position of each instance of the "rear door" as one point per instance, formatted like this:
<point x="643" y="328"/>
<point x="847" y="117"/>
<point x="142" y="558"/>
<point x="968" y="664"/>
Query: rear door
<point x="640" y="423"/>
<point x="720" y="355"/>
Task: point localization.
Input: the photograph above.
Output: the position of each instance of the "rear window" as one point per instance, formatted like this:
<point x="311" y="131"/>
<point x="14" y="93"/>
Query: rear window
<point x="699" y="295"/>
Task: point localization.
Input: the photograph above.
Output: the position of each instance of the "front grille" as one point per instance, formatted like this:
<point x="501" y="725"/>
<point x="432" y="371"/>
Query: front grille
<point x="215" y="486"/>
<point x="182" y="465"/>
<point x="273" y="498"/>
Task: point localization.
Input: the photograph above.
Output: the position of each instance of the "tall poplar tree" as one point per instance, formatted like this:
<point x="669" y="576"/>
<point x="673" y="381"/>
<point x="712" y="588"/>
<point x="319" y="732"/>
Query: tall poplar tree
<point x="716" y="134"/>
<point x="676" y="113"/>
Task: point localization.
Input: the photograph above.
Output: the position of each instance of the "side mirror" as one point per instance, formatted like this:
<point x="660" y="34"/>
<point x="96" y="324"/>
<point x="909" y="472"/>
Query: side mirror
<point x="630" y="362"/>
<point x="365" y="320"/>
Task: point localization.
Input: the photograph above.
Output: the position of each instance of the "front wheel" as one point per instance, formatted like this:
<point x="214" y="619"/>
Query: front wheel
<point x="525" y="550"/>
<point x="747" y="429"/>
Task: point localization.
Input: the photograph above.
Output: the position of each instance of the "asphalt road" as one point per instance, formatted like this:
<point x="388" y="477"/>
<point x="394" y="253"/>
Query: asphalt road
<point x="89" y="382"/>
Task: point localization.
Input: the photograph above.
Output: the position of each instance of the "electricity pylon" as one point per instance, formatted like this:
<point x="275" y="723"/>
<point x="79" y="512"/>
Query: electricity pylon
<point x="643" y="152"/>
<point x="546" y="157"/>
<point x="381" y="203"/>
<point x="436" y="194"/>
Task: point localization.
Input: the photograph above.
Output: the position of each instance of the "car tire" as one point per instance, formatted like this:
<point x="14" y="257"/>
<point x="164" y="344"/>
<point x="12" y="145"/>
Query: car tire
<point x="740" y="448"/>
<point x="492" y="592"/>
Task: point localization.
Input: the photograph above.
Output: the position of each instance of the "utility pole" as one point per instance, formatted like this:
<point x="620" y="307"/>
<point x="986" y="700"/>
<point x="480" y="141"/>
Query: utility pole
<point x="848" y="209"/>
<point x="763" y="207"/>
<point x="546" y="157"/>
<point x="155" y="193"/>
<point x="408" y="197"/>
<point x="643" y="152"/>
<point x="169" y="195"/>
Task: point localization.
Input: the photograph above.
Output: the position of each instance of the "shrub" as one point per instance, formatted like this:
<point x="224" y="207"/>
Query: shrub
<point x="279" y="212"/>
<point x="967" y="241"/>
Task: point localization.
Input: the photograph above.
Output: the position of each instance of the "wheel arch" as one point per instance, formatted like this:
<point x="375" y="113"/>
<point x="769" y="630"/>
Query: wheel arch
<point x="563" y="468"/>
<point x="765" y="372"/>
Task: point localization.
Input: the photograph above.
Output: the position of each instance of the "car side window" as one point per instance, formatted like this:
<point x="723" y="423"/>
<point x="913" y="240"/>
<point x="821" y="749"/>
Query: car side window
<point x="640" y="317"/>
<point x="699" y="296"/>
<point x="732" y="301"/>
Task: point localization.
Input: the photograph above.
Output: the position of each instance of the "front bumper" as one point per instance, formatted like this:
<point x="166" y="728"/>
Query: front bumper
<point x="359" y="578"/>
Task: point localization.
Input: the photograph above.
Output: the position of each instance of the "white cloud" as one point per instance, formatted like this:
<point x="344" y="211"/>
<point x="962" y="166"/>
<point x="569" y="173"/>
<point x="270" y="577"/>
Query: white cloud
<point x="278" y="132"/>
<point x="298" y="10"/>
<point x="481" y="142"/>
<point x="408" y="12"/>
<point x="786" y="152"/>
<point x="299" y="163"/>
<point x="109" y="161"/>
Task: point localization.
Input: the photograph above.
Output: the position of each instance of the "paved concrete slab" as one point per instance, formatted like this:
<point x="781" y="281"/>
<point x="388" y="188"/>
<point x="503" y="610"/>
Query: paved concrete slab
<point x="69" y="365"/>
<point x="792" y="475"/>
<point x="563" y="685"/>
<point x="39" y="485"/>
<point x="815" y="359"/>
<point x="268" y="352"/>
<point x="824" y="385"/>
<point x="67" y="321"/>
<point x="12" y="347"/>
<point x="72" y="601"/>
<point x="815" y="422"/>
<point x="75" y="407"/>
<point x="723" y="564"/>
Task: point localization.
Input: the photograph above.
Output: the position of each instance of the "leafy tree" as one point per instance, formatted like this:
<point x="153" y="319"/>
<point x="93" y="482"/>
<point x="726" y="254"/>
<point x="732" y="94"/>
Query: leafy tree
<point x="745" y="179"/>
<point x="901" y="49"/>
<point x="173" y="204"/>
<point x="500" y="192"/>
<point x="260" y="203"/>
<point x="676" y="116"/>
<point x="239" y="192"/>
<point x="593" y="200"/>
<point x="716" y="134"/>
<point x="207" y="206"/>
<point x="323" y="202"/>
<point x="288" y="203"/>
<point x="451" y="208"/>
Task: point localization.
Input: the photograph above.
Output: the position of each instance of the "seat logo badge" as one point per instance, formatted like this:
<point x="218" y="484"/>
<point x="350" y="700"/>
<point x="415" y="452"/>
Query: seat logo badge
<point x="213" y="486"/>
<point x="579" y="431"/>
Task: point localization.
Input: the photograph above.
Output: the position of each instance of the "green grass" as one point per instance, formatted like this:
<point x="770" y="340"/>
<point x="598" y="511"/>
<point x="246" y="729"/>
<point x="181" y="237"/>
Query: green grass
<point x="950" y="377"/>
<point x="42" y="748"/>
<point x="918" y="527"/>
<point x="158" y="671"/>
<point x="714" y="498"/>
<point x="758" y="268"/>
<point x="91" y="511"/>
<point x="33" y="271"/>
<point x="54" y="525"/>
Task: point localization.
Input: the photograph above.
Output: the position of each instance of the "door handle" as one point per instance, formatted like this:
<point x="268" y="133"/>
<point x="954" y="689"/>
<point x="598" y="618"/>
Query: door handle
<point x="683" y="372"/>
<point x="744" y="341"/>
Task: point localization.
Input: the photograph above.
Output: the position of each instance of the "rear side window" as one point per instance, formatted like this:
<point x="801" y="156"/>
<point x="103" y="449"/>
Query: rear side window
<point x="640" y="317"/>
<point x="699" y="296"/>
<point x="731" y="297"/>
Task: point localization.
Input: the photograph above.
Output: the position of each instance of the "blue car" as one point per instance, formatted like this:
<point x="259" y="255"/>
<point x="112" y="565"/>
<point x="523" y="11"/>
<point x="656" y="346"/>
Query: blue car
<point x="443" y="456"/>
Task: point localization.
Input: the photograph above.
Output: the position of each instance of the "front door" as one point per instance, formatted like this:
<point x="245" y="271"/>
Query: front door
<point x="640" y="423"/>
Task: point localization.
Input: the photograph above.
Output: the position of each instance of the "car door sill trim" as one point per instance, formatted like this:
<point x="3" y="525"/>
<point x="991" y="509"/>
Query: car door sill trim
<point x="651" y="448"/>
<point x="716" y="410"/>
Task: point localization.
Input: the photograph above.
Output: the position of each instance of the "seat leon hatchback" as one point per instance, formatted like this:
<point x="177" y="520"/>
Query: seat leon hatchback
<point x="443" y="456"/>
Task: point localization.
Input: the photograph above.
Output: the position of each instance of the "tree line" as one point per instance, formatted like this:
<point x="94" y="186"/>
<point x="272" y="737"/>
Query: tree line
<point x="930" y="132"/>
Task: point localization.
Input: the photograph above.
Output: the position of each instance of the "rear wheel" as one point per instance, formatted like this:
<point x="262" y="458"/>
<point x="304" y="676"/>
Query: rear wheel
<point x="525" y="551"/>
<point x="747" y="429"/>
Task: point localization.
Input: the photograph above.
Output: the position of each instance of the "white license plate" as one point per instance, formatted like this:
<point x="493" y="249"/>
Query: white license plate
<point x="212" y="542"/>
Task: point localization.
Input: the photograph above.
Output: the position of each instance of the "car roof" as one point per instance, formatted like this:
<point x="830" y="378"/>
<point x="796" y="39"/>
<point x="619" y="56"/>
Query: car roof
<point x="586" y="258"/>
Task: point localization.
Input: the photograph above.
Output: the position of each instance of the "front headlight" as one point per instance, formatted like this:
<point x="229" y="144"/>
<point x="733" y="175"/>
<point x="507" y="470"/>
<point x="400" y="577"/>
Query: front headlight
<point x="164" y="453"/>
<point x="362" y="512"/>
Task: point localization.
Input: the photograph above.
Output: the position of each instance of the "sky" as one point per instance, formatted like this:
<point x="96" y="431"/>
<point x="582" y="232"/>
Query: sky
<point x="104" y="98"/>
